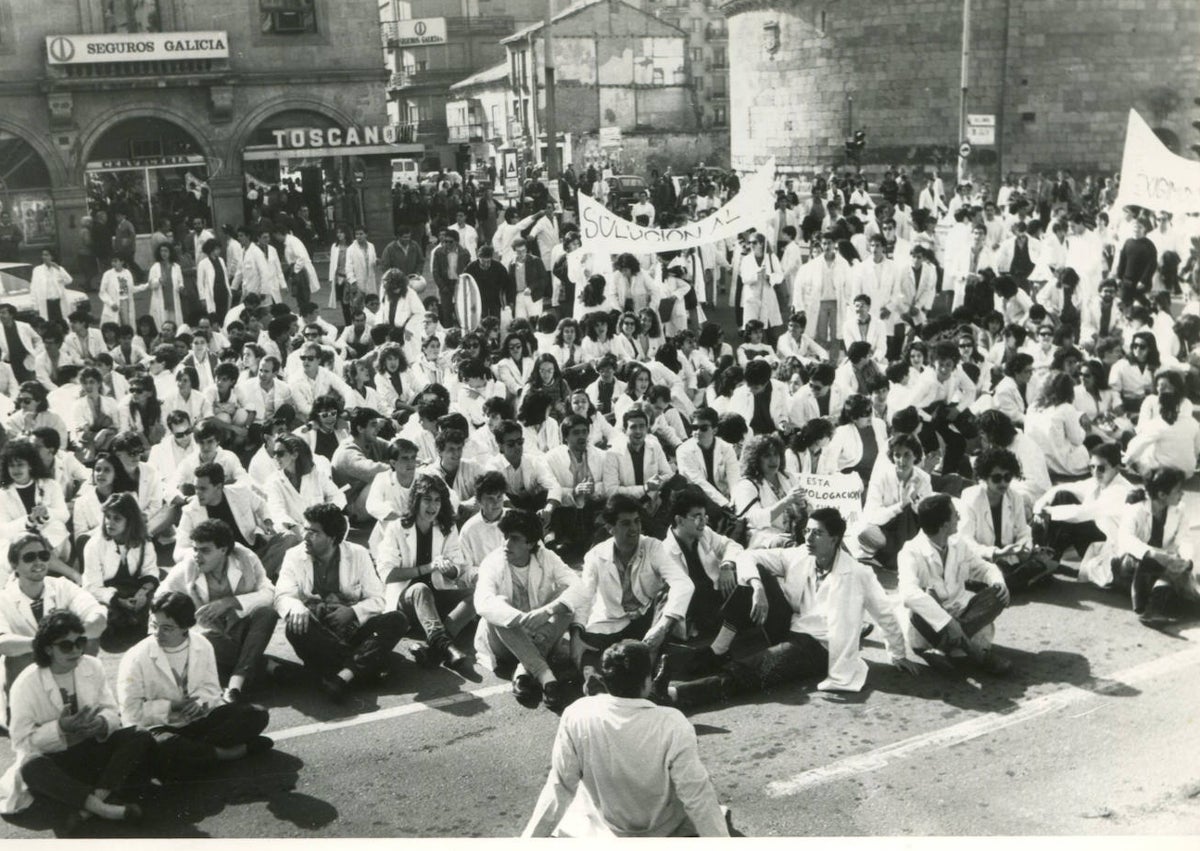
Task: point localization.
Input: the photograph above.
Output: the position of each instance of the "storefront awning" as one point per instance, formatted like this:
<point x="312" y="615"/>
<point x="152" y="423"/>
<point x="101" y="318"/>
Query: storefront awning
<point x="273" y="153"/>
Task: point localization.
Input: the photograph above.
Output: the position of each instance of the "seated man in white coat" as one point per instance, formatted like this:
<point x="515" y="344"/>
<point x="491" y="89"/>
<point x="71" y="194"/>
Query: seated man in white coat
<point x="330" y="598"/>
<point x="811" y="601"/>
<point x="638" y="762"/>
<point x="526" y="598"/>
<point x="637" y="465"/>
<point x="632" y="589"/>
<point x="242" y="509"/>
<point x="707" y="557"/>
<point x="578" y="469"/>
<point x="944" y="614"/>
<point x="763" y="401"/>
<point x="708" y="462"/>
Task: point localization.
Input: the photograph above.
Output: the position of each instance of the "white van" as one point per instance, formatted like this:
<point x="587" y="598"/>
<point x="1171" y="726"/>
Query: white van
<point x="404" y="172"/>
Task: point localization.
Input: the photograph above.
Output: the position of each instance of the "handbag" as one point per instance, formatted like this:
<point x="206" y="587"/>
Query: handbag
<point x="735" y="526"/>
<point x="666" y="308"/>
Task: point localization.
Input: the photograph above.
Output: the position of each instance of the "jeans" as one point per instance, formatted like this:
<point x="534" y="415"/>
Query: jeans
<point x="70" y="776"/>
<point x="422" y="603"/>
<point x="983" y="608"/>
<point x="825" y="330"/>
<point x="240" y="648"/>
<point x="531" y="652"/>
<point x="183" y="751"/>
<point x="364" y="649"/>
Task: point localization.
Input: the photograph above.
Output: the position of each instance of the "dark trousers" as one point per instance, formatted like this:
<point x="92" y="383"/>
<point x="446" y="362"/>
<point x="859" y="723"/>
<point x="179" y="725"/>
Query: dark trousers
<point x="636" y="630"/>
<point x="240" y="647"/>
<point x="446" y="313"/>
<point x="954" y="457"/>
<point x="70" y="776"/>
<point x="1059" y="536"/>
<point x="182" y="751"/>
<point x="897" y="532"/>
<point x="984" y="608"/>
<point x="301" y="288"/>
<point x="363" y="649"/>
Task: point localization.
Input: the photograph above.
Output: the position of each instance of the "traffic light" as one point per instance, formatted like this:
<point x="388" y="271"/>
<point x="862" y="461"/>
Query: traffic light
<point x="860" y="139"/>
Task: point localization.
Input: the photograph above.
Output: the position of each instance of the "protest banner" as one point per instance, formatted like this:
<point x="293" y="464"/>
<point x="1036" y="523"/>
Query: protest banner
<point x="1153" y="177"/>
<point x="843" y="491"/>
<point x="604" y="231"/>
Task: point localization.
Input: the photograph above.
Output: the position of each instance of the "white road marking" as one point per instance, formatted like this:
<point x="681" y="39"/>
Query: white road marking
<point x="386" y="714"/>
<point x="984" y="724"/>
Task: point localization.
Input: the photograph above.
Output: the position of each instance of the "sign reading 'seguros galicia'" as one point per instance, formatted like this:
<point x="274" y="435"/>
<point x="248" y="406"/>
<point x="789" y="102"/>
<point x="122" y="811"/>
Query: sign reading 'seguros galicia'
<point x="136" y="47"/>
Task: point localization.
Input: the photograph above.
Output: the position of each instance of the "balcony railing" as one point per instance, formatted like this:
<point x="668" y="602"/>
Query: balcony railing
<point x="411" y="75"/>
<point x="718" y="63"/>
<point x="465" y="133"/>
<point x="418" y="131"/>
<point x="162" y="68"/>
<point x="716" y="33"/>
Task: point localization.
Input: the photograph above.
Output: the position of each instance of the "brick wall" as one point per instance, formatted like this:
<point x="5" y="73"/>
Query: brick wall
<point x="1061" y="95"/>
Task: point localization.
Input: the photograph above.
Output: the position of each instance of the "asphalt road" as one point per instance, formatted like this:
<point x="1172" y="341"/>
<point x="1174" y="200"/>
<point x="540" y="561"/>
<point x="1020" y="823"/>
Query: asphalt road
<point x="1094" y="733"/>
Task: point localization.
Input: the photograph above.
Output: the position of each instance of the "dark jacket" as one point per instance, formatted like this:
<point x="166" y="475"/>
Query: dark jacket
<point x="494" y="284"/>
<point x="535" y="279"/>
<point x="441" y="274"/>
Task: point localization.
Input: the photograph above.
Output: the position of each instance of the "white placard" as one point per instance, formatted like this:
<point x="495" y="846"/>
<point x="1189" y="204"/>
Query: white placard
<point x="1153" y="177"/>
<point x="135" y="47"/>
<point x="417" y="31"/>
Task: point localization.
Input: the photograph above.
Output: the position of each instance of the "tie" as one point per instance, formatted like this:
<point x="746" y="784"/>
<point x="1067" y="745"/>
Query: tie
<point x="38" y="608"/>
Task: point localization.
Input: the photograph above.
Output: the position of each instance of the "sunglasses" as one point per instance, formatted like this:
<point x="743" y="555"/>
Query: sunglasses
<point x="1000" y="478"/>
<point x="24" y="400"/>
<point x="179" y="434"/>
<point x="30" y="558"/>
<point x="307" y="357"/>
<point x="66" y="645"/>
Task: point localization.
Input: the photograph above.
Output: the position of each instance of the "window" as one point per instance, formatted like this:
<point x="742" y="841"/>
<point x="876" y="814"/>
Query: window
<point x="697" y="55"/>
<point x="131" y="16"/>
<point x="719" y="60"/>
<point x="718" y="85"/>
<point x="288" y="17"/>
<point x="719" y="117"/>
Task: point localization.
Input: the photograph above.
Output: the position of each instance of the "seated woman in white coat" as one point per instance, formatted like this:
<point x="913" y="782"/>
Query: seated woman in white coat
<point x="120" y="566"/>
<point x="767" y="497"/>
<point x="167" y="684"/>
<point x="421" y="563"/>
<point x="890" y="510"/>
<point x="993" y="522"/>
<point x="1167" y="433"/>
<point x="301" y="480"/>
<point x="1159" y="546"/>
<point x="29" y="499"/>
<point x="1085" y="515"/>
<point x="1053" y="423"/>
<point x="70" y="745"/>
<point x="856" y="442"/>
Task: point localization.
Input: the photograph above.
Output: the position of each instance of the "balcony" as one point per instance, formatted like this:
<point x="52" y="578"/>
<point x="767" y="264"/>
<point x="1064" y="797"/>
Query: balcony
<point x="714" y="32"/>
<point x="465" y="133"/>
<point x="422" y="131"/>
<point x="719" y="63"/>
<point x="412" y="76"/>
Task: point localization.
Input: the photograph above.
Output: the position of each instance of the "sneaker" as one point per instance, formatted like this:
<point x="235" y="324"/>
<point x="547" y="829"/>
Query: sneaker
<point x="232" y="695"/>
<point x="527" y="690"/>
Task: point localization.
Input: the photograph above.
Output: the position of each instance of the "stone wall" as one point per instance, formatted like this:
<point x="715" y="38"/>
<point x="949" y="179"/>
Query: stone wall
<point x="1060" y="76"/>
<point x="641" y="152"/>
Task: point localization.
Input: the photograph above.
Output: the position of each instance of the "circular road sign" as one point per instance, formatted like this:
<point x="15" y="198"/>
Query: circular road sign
<point x="964" y="150"/>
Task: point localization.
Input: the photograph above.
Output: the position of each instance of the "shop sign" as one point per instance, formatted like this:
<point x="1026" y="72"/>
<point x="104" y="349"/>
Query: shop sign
<point x="145" y="162"/>
<point x="418" y="31"/>
<point x="336" y="137"/>
<point x="981" y="129"/>
<point x="136" y="47"/>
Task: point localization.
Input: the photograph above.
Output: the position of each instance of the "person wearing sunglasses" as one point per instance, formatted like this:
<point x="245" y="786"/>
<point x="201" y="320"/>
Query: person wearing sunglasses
<point x="313" y="381"/>
<point x="32" y="410"/>
<point x="31" y="595"/>
<point x="994" y="522"/>
<point x="299" y="480"/>
<point x="70" y="745"/>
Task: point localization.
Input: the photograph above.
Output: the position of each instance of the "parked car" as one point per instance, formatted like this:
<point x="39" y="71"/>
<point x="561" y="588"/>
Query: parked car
<point x="623" y="191"/>
<point x="14" y="290"/>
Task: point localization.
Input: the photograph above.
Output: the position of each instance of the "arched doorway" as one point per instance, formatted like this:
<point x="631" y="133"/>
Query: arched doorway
<point x="25" y="198"/>
<point x="153" y="171"/>
<point x="313" y="188"/>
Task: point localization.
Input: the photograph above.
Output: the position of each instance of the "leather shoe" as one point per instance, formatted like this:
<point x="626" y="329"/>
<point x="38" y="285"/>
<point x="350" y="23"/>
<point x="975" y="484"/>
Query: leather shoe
<point x="527" y="690"/>
<point x="454" y="658"/>
<point x="232" y="695"/>
<point x="426" y="656"/>
<point x="259" y="744"/>
<point x="554" y="695"/>
<point x="334" y="688"/>
<point x="702" y="691"/>
<point x="994" y="664"/>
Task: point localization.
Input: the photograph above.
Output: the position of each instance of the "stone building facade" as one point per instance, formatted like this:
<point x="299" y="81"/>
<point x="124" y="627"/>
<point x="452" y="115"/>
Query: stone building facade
<point x="163" y="99"/>
<point x="1059" y="77"/>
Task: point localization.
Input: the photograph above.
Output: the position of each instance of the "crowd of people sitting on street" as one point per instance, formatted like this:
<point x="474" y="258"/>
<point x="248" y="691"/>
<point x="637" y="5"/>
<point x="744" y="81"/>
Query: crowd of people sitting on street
<point x="581" y="470"/>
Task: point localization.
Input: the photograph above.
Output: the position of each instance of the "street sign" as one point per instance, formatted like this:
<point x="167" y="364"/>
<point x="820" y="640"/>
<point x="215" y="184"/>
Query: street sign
<point x="981" y="129"/>
<point x="964" y="150"/>
<point x="512" y="181"/>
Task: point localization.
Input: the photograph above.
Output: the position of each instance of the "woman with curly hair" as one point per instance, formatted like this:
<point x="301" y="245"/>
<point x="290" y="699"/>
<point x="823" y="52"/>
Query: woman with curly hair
<point x="399" y="305"/>
<point x="1053" y="423"/>
<point x="31" y="500"/>
<point x="324" y="432"/>
<point x="422" y="566"/>
<point x="769" y="498"/>
<point x="755" y="346"/>
<point x="359" y="375"/>
<point x="395" y="383"/>
<point x="120" y="567"/>
<point x="597" y="344"/>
